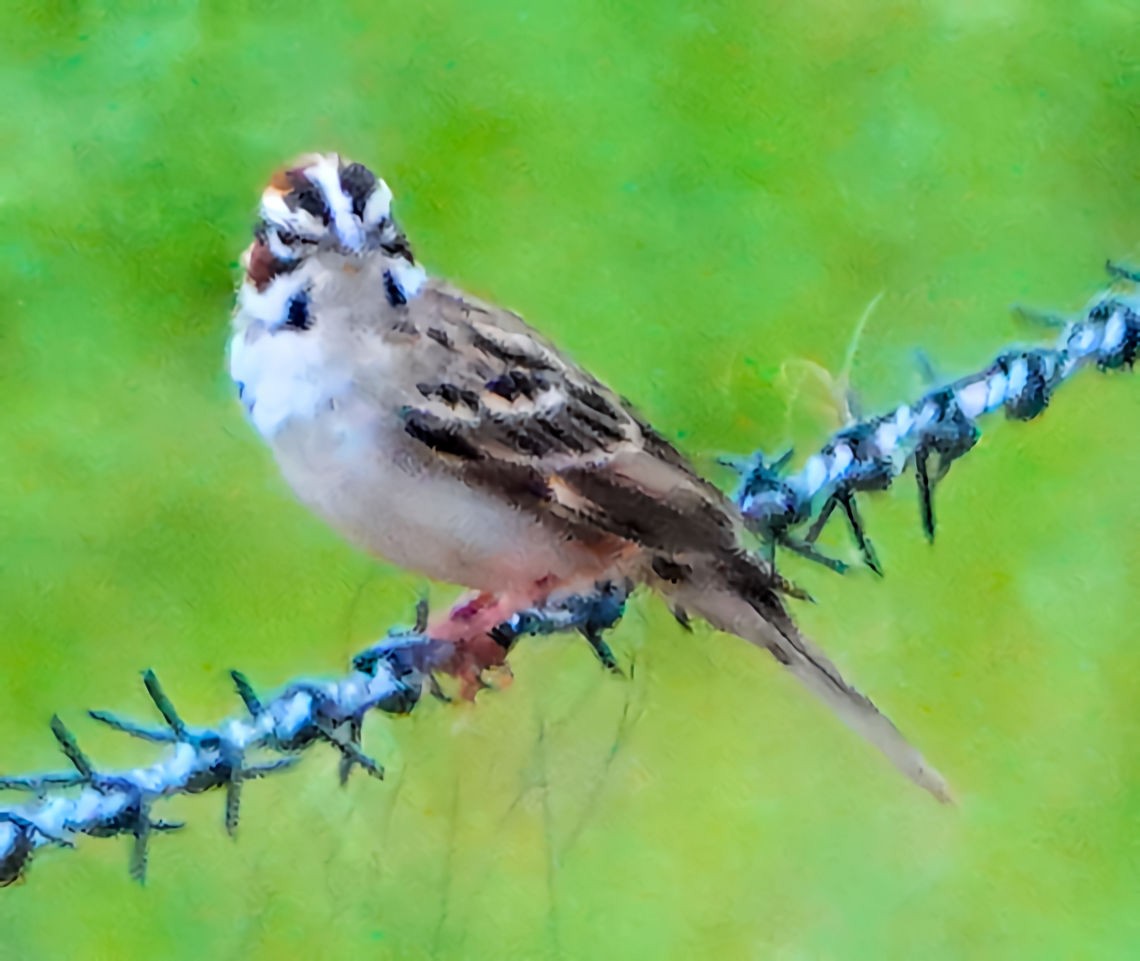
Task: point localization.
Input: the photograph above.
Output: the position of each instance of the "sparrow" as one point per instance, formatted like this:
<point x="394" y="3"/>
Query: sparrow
<point x="445" y="435"/>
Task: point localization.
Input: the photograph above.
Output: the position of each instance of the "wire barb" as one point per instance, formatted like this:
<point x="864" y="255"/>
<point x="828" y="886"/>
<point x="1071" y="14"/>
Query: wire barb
<point x="165" y="707"/>
<point x="70" y="748"/>
<point x="934" y="432"/>
<point x="390" y="676"/>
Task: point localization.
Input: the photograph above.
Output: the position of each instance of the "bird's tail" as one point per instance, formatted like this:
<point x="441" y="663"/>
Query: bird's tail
<point x="764" y="622"/>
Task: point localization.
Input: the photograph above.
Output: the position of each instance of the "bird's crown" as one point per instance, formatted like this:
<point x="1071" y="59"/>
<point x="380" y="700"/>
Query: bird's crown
<point x="318" y="203"/>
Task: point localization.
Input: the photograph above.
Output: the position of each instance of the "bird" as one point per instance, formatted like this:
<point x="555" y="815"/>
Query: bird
<point x="443" y="434"/>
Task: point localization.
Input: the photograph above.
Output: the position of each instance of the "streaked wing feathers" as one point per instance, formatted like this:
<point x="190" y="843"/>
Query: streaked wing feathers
<point x="505" y="409"/>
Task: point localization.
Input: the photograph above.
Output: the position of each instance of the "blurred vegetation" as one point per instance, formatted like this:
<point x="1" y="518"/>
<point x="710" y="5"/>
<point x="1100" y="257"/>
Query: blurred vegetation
<point x="693" y="198"/>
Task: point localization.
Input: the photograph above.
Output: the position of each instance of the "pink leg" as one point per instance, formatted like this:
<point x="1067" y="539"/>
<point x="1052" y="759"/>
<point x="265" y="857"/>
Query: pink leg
<point x="466" y="628"/>
<point x="467" y="625"/>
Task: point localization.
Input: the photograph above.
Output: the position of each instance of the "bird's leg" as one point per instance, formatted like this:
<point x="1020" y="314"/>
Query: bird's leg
<point x="467" y="628"/>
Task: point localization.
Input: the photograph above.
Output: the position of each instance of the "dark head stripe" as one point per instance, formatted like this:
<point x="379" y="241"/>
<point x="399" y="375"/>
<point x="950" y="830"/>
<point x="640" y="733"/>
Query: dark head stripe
<point x="306" y="195"/>
<point x="357" y="182"/>
<point x="322" y="199"/>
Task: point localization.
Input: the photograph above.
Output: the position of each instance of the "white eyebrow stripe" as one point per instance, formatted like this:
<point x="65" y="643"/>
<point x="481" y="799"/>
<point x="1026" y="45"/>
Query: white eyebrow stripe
<point x="276" y="211"/>
<point x="277" y="247"/>
<point x="379" y="205"/>
<point x="325" y="173"/>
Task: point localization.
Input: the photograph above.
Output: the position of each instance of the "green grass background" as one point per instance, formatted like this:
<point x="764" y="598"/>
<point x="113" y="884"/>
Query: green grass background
<point x="698" y="200"/>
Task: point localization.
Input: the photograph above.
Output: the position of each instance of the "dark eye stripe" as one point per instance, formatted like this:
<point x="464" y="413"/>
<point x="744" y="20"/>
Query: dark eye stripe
<point x="306" y="195"/>
<point x="398" y="248"/>
<point x="263" y="265"/>
<point x="357" y="182"/>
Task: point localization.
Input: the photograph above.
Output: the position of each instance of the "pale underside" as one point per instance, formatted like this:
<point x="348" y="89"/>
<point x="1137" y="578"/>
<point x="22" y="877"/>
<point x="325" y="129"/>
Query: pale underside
<point x="386" y="426"/>
<point x="446" y="436"/>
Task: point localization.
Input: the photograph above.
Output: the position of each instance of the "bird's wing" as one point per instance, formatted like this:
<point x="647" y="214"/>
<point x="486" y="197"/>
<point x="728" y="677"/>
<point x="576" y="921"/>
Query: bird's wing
<point x="499" y="405"/>
<point x="504" y="409"/>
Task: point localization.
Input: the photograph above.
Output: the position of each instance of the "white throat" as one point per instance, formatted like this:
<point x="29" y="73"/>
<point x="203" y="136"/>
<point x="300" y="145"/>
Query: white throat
<point x="284" y="372"/>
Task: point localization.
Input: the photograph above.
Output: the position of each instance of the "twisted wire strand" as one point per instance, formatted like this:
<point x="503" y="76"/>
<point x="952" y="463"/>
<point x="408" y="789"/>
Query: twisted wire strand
<point x="932" y="433"/>
<point x="390" y="677"/>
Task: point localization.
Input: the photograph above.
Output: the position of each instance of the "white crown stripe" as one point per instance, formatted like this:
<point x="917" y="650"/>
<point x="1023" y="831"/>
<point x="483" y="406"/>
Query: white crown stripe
<point x="279" y="371"/>
<point x="379" y="205"/>
<point x="325" y="174"/>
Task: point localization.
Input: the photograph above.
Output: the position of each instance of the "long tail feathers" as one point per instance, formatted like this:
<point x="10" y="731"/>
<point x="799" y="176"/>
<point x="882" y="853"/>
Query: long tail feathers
<point x="770" y="627"/>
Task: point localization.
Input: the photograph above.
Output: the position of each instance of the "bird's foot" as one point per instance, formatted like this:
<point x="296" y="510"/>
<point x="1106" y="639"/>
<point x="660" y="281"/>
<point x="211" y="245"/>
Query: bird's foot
<point x="478" y="657"/>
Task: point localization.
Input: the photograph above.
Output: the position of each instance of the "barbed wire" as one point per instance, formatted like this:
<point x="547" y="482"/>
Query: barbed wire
<point x="932" y="433"/>
<point x="269" y="737"/>
<point x="391" y="675"/>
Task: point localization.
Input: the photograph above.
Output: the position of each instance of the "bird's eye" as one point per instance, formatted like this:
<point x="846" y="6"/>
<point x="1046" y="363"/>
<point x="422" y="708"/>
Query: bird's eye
<point x="312" y="201"/>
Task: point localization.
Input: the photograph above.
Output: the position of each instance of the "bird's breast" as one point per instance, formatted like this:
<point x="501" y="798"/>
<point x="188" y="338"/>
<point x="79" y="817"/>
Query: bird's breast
<point x="283" y="375"/>
<point x="354" y="465"/>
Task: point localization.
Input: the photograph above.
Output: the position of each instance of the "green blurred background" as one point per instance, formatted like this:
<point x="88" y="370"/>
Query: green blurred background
<point x="699" y="200"/>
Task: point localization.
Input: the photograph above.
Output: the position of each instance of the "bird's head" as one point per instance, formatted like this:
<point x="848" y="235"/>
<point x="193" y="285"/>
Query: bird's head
<point x="322" y="204"/>
<point x="327" y="261"/>
<point x="320" y="219"/>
